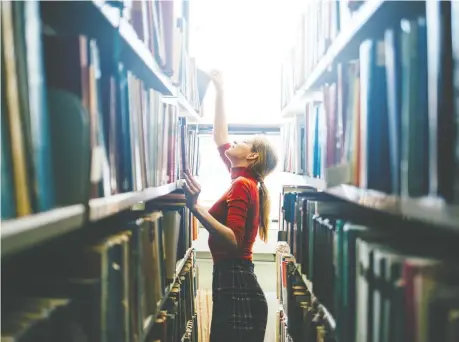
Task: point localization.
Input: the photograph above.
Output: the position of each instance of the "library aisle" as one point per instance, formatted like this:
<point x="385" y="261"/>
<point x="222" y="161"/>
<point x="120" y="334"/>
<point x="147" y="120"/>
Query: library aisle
<point x="107" y="107"/>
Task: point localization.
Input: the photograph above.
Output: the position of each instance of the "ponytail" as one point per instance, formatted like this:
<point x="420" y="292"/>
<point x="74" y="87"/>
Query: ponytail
<point x="265" y="208"/>
<point x="264" y="164"/>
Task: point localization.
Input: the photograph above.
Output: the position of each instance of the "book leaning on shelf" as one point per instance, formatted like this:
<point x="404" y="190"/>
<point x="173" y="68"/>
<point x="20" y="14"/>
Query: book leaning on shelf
<point x="106" y="289"/>
<point x="75" y="124"/>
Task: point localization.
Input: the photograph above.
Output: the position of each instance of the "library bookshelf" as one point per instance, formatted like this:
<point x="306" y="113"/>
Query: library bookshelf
<point x="97" y="97"/>
<point x="369" y="111"/>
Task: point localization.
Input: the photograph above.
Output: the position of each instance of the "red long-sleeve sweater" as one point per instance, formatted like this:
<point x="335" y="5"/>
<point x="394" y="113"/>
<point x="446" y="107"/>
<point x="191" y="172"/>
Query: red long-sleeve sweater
<point x="237" y="209"/>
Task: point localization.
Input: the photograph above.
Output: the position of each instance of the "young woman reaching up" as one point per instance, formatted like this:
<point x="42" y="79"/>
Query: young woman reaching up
<point x="239" y="305"/>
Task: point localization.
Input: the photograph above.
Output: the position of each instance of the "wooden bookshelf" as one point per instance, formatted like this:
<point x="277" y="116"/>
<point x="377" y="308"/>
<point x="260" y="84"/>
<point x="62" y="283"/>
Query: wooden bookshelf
<point x="426" y="210"/>
<point x="25" y="232"/>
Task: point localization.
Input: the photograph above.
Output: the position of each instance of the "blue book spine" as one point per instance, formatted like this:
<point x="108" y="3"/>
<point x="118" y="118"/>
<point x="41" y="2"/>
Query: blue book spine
<point x="393" y="74"/>
<point x="374" y="98"/>
<point x="316" y="161"/>
<point x="39" y="118"/>
<point x="124" y="138"/>
<point x="422" y="112"/>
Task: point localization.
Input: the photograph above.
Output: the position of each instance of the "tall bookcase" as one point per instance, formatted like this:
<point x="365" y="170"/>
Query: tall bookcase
<point x="97" y="97"/>
<point x="370" y="131"/>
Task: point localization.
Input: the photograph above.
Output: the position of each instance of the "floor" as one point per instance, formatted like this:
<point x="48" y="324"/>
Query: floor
<point x="264" y="269"/>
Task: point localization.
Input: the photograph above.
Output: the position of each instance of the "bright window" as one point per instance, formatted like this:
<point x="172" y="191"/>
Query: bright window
<point x="247" y="41"/>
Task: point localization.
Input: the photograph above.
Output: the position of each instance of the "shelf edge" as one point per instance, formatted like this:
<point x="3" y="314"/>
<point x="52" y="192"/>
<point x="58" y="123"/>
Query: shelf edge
<point x="427" y="210"/>
<point x="24" y="232"/>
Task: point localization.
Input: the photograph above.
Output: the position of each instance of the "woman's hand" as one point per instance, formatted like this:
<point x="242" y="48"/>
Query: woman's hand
<point x="217" y="78"/>
<point x="192" y="190"/>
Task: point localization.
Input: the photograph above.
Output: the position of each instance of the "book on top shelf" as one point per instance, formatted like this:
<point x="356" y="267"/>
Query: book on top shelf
<point x="163" y="27"/>
<point x="317" y="29"/>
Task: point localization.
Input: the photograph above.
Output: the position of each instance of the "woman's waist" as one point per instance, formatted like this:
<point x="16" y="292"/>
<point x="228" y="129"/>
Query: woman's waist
<point x="222" y="253"/>
<point x="233" y="264"/>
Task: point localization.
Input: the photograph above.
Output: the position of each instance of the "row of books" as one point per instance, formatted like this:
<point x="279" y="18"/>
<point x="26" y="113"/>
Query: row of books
<point x="300" y="317"/>
<point x="303" y="140"/>
<point x="177" y="321"/>
<point x="293" y="140"/>
<point x="386" y="119"/>
<point x="76" y="124"/>
<point x="176" y="201"/>
<point x="394" y="136"/>
<point x="318" y="27"/>
<point x="281" y="327"/>
<point x="163" y="26"/>
<point x="377" y="113"/>
<point x="107" y="289"/>
<point x="378" y="282"/>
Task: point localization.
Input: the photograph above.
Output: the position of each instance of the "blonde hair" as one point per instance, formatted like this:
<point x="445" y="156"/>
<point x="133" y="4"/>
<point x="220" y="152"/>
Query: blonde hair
<point x="263" y="166"/>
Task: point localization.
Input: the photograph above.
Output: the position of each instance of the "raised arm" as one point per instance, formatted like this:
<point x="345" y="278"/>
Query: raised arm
<point x="220" y="132"/>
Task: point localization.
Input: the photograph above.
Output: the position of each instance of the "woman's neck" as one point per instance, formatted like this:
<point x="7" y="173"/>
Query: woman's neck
<point x="239" y="163"/>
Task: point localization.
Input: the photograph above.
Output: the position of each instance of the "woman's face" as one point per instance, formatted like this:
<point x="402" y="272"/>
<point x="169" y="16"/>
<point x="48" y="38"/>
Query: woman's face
<point x="240" y="150"/>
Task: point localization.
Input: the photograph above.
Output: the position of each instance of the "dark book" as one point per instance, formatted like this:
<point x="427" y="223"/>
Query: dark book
<point x="442" y="121"/>
<point x="71" y="148"/>
<point x="392" y="51"/>
<point x="125" y="174"/>
<point x="414" y="114"/>
<point x="375" y="162"/>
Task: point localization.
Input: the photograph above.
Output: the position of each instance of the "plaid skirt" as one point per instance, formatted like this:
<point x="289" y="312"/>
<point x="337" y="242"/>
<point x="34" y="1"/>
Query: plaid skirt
<point x="240" y="310"/>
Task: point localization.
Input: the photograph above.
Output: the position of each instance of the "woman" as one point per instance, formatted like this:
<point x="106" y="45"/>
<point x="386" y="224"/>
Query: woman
<point x="239" y="305"/>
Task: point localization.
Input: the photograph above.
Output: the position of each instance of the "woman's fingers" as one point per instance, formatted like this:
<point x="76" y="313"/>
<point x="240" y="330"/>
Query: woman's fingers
<point x="190" y="190"/>
<point x="189" y="195"/>
<point x="188" y="183"/>
<point x="193" y="185"/>
<point x="195" y="182"/>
